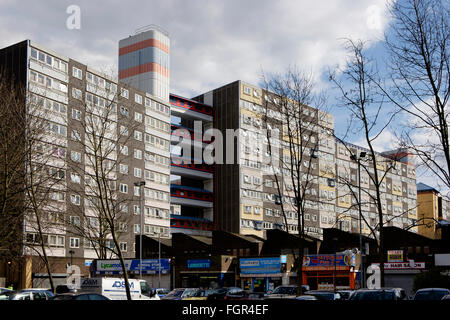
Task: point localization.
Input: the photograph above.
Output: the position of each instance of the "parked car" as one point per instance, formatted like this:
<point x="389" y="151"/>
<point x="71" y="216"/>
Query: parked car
<point x="256" y="296"/>
<point x="193" y="294"/>
<point x="345" y="294"/>
<point x="220" y="293"/>
<point x="5" y="293"/>
<point x="374" y="294"/>
<point x="446" y="297"/>
<point x="32" y="294"/>
<point x="175" y="294"/>
<point x="161" y="292"/>
<point x="64" y="288"/>
<point x="401" y="293"/>
<point x="3" y="290"/>
<point x="306" y="297"/>
<point x="236" y="294"/>
<point x="285" y="292"/>
<point x="80" y="296"/>
<point x="324" y="295"/>
<point x="431" y="294"/>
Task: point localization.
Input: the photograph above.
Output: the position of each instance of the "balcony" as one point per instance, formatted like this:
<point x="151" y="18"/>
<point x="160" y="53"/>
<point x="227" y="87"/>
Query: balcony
<point x="191" y="170"/>
<point x="189" y="196"/>
<point x="190" y="109"/>
<point x="195" y="223"/>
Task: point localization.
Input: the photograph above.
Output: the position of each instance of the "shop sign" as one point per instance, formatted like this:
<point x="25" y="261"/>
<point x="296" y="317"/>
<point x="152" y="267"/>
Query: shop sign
<point x="342" y="260"/>
<point x="199" y="264"/>
<point x="402" y="265"/>
<point x="260" y="265"/>
<point x="395" y="255"/>
<point x="149" y="266"/>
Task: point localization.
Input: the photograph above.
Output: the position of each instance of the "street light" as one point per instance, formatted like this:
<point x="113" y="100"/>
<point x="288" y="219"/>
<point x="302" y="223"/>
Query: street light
<point x="334" y="280"/>
<point x="71" y="252"/>
<point x="140" y="184"/>
<point x="362" y="155"/>
<point x="159" y="258"/>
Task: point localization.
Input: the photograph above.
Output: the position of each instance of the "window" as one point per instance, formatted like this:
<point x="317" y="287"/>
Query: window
<point x="137" y="154"/>
<point x="137" y="191"/>
<point x="75" y="199"/>
<point x="123" y="188"/>
<point x="137" y="228"/>
<point x="124" y="111"/>
<point x="248" y="209"/>
<point x="74" y="242"/>
<point x="137" y="172"/>
<point x="123" y="246"/>
<point x="247" y="90"/>
<point x="124" y="93"/>
<point x="124" y="150"/>
<point x="76" y="93"/>
<point x="123" y="131"/>
<point x="76" y="135"/>
<point x="138" y="135"/>
<point x="76" y="114"/>
<point x="138" y="116"/>
<point x="137" y="98"/>
<point x="75" y="177"/>
<point x="123" y="168"/>
<point x="74" y="220"/>
<point x="77" y="73"/>
<point x="75" y="156"/>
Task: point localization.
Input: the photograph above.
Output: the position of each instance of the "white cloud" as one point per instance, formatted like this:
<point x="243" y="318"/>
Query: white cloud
<point x="212" y="42"/>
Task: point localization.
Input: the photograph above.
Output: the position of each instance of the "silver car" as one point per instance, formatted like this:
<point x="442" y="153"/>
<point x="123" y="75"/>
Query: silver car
<point x="32" y="294"/>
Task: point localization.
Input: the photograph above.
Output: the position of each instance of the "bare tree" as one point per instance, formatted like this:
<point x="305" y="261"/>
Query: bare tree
<point x="292" y="144"/>
<point x="100" y="139"/>
<point x="12" y="157"/>
<point x="359" y="86"/>
<point x="418" y="44"/>
<point x="12" y="165"/>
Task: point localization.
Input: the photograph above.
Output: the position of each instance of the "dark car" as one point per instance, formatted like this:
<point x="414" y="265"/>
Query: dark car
<point x="306" y="297"/>
<point x="324" y="295"/>
<point x="431" y="294"/>
<point x="345" y="294"/>
<point x="374" y="295"/>
<point x="63" y="288"/>
<point x="220" y="293"/>
<point x="175" y="294"/>
<point x="236" y="294"/>
<point x="32" y="294"/>
<point x="256" y="296"/>
<point x="285" y="292"/>
<point x="80" y="296"/>
<point x="446" y="297"/>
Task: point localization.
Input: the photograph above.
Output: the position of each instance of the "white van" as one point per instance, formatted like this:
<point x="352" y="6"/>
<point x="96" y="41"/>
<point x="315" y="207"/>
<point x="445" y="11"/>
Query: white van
<point x="114" y="288"/>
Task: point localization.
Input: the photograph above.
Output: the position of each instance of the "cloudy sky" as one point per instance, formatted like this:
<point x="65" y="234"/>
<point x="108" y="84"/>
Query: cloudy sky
<point x="212" y="42"/>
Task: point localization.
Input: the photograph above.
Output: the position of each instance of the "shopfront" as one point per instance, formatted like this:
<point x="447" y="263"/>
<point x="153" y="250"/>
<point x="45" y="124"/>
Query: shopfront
<point x="260" y="274"/>
<point x="211" y="272"/>
<point x="322" y="272"/>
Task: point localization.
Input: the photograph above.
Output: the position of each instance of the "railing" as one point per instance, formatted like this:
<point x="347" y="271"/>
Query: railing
<point x="186" y="223"/>
<point x="191" y="105"/>
<point x="193" y="166"/>
<point x="190" y="193"/>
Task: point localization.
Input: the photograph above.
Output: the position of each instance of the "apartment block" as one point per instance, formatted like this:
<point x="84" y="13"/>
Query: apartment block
<point x="74" y="97"/>
<point x="247" y="197"/>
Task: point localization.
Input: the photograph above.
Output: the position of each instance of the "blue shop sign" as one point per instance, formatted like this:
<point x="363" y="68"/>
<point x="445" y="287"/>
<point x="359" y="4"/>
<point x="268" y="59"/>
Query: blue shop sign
<point x="149" y="266"/>
<point x="199" y="264"/>
<point x="260" y="265"/>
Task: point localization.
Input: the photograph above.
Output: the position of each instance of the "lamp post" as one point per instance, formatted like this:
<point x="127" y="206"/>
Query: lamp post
<point x="71" y="252"/>
<point x="334" y="280"/>
<point x="159" y="259"/>
<point x="140" y="184"/>
<point x="362" y="155"/>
